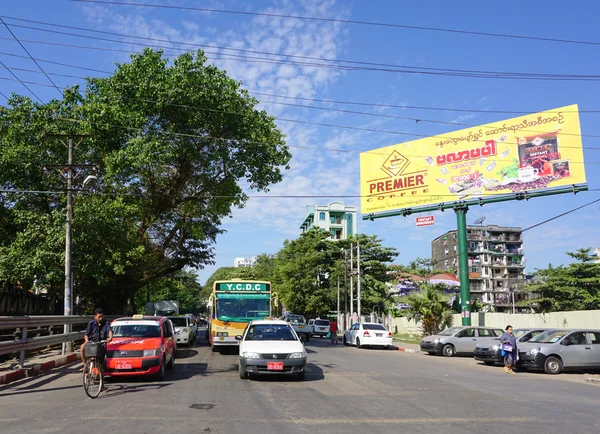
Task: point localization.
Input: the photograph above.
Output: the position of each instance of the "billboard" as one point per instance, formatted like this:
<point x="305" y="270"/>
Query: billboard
<point x="527" y="153"/>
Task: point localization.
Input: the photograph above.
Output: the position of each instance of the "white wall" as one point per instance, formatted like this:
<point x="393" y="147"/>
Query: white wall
<point x="588" y="319"/>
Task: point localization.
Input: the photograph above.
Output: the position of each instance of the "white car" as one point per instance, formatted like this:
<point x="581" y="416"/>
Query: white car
<point x="368" y="335"/>
<point x="271" y="347"/>
<point x="185" y="329"/>
<point x="321" y="327"/>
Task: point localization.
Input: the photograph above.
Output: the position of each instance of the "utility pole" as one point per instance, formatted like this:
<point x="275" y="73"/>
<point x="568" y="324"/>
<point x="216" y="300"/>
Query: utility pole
<point x="345" y="289"/>
<point x="68" y="296"/>
<point x="338" y="299"/>
<point x="352" y="280"/>
<point x="359" y="279"/>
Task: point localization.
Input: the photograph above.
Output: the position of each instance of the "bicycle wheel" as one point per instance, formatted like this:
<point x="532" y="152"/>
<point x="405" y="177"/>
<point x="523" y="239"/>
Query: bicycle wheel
<point x="93" y="379"/>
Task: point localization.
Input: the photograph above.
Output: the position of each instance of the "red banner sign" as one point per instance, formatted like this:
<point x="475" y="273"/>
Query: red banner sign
<point x="425" y="221"/>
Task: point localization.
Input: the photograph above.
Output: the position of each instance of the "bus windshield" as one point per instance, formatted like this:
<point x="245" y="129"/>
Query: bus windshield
<point x="242" y="309"/>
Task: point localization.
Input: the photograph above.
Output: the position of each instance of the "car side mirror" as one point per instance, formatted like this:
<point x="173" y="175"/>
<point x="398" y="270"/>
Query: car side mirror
<point x="238" y="338"/>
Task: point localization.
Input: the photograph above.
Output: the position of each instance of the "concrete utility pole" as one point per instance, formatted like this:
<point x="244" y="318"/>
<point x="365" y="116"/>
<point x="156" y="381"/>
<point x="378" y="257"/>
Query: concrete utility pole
<point x="352" y="280"/>
<point x="68" y="296"/>
<point x="359" y="279"/>
<point x="345" y="289"/>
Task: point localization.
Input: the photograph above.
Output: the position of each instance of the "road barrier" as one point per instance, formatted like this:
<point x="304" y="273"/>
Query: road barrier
<point x="23" y="324"/>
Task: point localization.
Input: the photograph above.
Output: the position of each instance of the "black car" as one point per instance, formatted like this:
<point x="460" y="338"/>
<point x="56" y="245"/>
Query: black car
<point x="490" y="351"/>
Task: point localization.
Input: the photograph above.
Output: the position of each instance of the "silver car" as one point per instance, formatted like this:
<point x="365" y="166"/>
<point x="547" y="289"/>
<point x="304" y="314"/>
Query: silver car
<point x="562" y="350"/>
<point x="458" y="340"/>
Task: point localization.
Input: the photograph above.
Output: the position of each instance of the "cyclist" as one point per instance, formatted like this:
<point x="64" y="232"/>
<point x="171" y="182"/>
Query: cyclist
<point x="97" y="330"/>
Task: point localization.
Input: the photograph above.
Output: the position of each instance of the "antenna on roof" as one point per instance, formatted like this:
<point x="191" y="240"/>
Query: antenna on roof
<point x="479" y="221"/>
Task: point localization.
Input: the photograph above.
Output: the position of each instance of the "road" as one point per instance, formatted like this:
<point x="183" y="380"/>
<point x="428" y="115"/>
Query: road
<point x="347" y="391"/>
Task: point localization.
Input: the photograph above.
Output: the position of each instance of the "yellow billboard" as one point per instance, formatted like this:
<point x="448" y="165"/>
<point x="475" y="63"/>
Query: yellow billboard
<point x="526" y="153"/>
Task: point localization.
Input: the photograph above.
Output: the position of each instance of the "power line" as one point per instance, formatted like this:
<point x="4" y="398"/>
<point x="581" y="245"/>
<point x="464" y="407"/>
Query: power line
<point x="5" y="97"/>
<point x="325" y="101"/>
<point x="365" y="66"/>
<point x="562" y="215"/>
<point x="342" y="21"/>
<point x="441" y="136"/>
<point x="19" y="80"/>
<point x="30" y="56"/>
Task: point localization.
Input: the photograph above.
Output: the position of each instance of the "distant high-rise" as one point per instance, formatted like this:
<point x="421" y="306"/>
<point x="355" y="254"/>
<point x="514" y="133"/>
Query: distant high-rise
<point x="336" y="218"/>
<point x="496" y="263"/>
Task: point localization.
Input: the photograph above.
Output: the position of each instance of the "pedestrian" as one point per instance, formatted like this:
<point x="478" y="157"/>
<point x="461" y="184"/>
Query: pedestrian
<point x="333" y="329"/>
<point x="509" y="349"/>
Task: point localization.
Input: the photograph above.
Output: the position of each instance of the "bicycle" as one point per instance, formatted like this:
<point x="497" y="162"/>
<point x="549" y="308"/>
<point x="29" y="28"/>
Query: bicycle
<point x="93" y="374"/>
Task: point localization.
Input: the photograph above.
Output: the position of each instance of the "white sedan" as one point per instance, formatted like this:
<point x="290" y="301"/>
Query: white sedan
<point x="271" y="347"/>
<point x="368" y="335"/>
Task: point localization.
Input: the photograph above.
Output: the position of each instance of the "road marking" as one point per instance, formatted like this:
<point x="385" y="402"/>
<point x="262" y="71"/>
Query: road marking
<point x="306" y="421"/>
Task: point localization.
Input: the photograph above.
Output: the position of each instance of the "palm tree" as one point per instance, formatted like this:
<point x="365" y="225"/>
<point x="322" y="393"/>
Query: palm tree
<point x="431" y="306"/>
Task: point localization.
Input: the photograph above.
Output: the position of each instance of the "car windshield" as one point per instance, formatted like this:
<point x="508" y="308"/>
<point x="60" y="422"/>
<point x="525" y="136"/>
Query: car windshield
<point x="451" y="331"/>
<point x="135" y="331"/>
<point x="179" y="322"/>
<point x="552" y="337"/>
<point x="519" y="333"/>
<point x="541" y="336"/>
<point x="270" y="332"/>
<point x="243" y="307"/>
<point x="295" y="319"/>
<point x="373" y="327"/>
<point x="321" y="322"/>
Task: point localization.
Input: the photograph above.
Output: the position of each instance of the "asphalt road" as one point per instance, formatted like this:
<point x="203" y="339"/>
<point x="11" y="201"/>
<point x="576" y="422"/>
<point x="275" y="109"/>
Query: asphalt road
<point x="347" y="391"/>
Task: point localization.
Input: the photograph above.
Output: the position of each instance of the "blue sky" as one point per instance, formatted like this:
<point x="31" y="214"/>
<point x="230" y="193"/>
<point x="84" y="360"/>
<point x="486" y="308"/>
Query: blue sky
<point x="263" y="225"/>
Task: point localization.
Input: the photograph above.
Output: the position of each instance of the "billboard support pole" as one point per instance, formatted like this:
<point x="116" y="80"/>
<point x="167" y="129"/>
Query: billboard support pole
<point x="463" y="263"/>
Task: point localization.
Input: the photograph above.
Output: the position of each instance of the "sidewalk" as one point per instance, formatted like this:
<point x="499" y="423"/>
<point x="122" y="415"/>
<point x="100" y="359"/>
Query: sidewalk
<point x="35" y="365"/>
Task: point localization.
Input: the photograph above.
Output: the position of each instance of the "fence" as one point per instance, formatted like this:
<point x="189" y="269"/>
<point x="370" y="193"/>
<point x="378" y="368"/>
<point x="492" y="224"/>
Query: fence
<point x="23" y="325"/>
<point x="585" y="319"/>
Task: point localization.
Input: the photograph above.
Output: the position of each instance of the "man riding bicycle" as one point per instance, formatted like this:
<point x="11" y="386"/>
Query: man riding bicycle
<point x="97" y="330"/>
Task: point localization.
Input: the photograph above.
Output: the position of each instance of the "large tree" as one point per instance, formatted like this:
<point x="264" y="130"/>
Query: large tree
<point x="174" y="142"/>
<point x="572" y="287"/>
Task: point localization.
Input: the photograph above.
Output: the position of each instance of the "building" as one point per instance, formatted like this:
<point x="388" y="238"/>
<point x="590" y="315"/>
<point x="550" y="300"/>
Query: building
<point x="496" y="263"/>
<point x="596" y="254"/>
<point x="244" y="262"/>
<point x="335" y="218"/>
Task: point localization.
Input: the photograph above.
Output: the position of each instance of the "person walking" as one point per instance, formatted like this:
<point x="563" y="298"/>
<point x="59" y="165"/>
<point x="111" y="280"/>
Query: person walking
<point x="333" y="329"/>
<point x="509" y="349"/>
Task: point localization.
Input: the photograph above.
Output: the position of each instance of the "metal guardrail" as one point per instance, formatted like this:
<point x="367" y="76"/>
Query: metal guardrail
<point x="27" y="322"/>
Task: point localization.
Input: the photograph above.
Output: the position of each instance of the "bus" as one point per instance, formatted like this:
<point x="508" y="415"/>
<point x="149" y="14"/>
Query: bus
<point x="232" y="305"/>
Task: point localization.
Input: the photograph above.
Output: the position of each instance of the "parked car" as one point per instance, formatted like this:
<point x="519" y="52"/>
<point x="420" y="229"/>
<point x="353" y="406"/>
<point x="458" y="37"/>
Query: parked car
<point x="141" y="345"/>
<point x="458" y="340"/>
<point x="367" y="335"/>
<point x="490" y="351"/>
<point x="321" y="327"/>
<point x="562" y="350"/>
<point x="185" y="329"/>
<point x="271" y="347"/>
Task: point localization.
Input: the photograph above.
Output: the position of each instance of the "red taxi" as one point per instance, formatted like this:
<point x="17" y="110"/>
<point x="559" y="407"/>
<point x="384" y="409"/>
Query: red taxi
<point x="141" y="345"/>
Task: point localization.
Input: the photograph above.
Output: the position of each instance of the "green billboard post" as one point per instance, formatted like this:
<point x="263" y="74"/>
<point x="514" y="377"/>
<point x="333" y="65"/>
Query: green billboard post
<point x="463" y="264"/>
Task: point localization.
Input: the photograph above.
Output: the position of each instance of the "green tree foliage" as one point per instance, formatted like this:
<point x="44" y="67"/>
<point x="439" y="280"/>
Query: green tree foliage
<point x="174" y="142"/>
<point x="431" y="307"/>
<point x="572" y="287"/>
<point x="182" y="286"/>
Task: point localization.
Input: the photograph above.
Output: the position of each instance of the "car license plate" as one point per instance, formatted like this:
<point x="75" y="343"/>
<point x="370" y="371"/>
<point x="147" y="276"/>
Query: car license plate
<point x="379" y="335"/>
<point x="300" y="327"/>
<point x="123" y="365"/>
<point x="275" y="366"/>
<point x="221" y="339"/>
<point x="321" y="328"/>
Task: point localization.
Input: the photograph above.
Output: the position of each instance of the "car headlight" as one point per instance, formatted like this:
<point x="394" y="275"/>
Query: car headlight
<point x="297" y="355"/>
<point x="149" y="353"/>
<point x="533" y="352"/>
<point x="251" y="355"/>
<point x="496" y="347"/>
<point x="436" y="341"/>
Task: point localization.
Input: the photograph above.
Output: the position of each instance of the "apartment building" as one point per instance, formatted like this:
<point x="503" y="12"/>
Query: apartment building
<point x="336" y="218"/>
<point x="496" y="264"/>
<point x="244" y="262"/>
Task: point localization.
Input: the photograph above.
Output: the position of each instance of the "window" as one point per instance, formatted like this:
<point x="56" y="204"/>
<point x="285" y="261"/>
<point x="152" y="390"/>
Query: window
<point x="595" y="338"/>
<point x="355" y="326"/>
<point x="322" y="322"/>
<point x="374" y="327"/>
<point x="270" y="332"/>
<point x="578" y="338"/>
<point x="467" y="333"/>
<point x="165" y="326"/>
<point x="321" y="216"/>
<point x="484" y="333"/>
